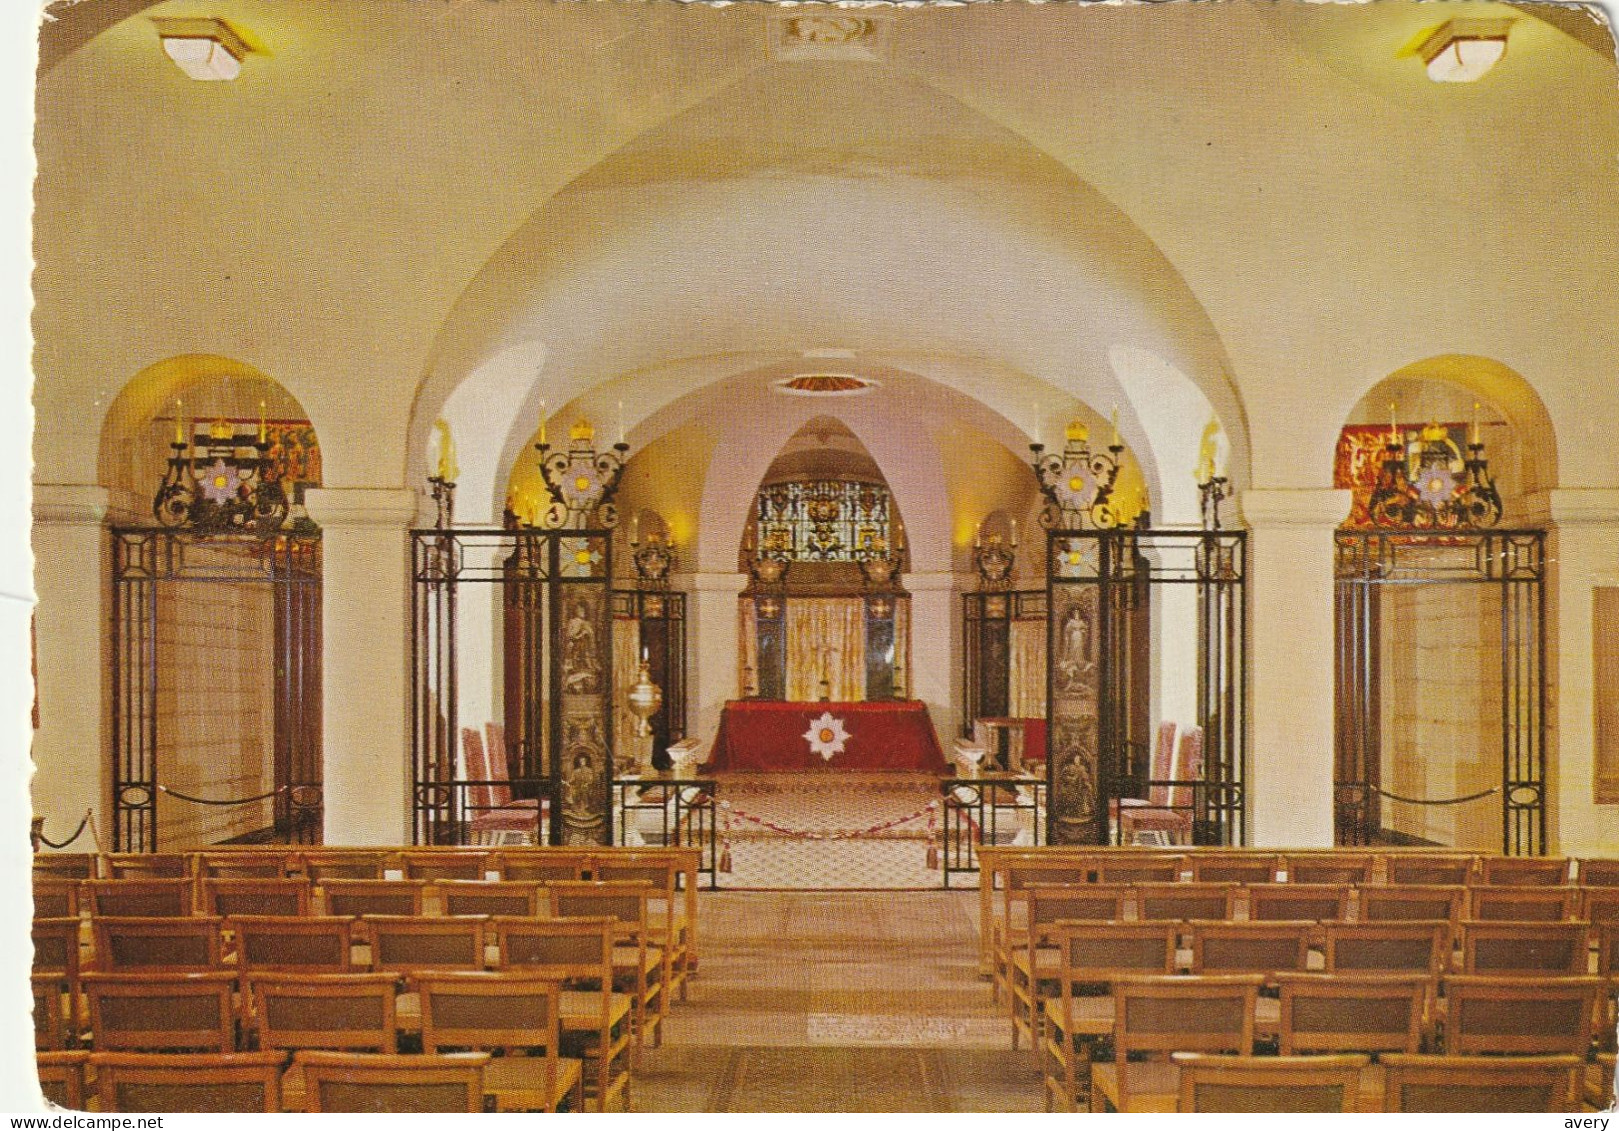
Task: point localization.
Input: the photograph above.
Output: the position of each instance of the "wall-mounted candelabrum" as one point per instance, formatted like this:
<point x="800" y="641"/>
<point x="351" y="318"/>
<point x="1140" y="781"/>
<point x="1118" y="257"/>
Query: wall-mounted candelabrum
<point x="994" y="559"/>
<point x="1427" y="483"/>
<point x="581" y="480"/>
<point x="221" y="482"/>
<point x="1078" y="483"/>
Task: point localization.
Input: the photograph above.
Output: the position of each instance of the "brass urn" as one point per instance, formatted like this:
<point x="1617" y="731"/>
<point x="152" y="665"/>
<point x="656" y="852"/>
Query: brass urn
<point x="644" y="700"/>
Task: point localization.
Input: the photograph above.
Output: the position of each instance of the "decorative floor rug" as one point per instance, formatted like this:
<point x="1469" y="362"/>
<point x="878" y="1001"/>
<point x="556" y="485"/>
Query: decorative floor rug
<point x="846" y="832"/>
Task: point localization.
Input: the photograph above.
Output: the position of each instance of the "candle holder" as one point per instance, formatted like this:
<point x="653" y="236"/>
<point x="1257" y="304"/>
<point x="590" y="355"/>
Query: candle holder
<point x="1430" y="484"/>
<point x="581" y="480"/>
<point x="224" y="484"/>
<point x="1078" y="483"/>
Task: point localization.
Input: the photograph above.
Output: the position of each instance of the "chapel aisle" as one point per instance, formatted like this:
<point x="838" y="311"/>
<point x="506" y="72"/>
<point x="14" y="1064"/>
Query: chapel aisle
<point x="838" y="1001"/>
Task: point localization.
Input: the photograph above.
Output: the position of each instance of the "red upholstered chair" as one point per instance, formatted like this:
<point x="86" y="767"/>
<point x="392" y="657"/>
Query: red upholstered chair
<point x="497" y="817"/>
<point x="1163" y="765"/>
<point x="1173" y="819"/>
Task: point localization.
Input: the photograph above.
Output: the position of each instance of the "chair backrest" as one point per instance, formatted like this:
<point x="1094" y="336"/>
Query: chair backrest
<point x="478" y="765"/>
<point x="1593" y="872"/>
<point x="1245" y="868"/>
<point x="490" y="897"/>
<point x="312" y="944"/>
<point x="1101" y="952"/>
<point x="409" y="943"/>
<point x="139" y="899"/>
<point x="1176" y="1014"/>
<point x="1298" y="902"/>
<point x="326" y="1011"/>
<point x="1250" y="948"/>
<point x="1188" y="767"/>
<point x="444" y="865"/>
<point x="55" y="897"/>
<point x="50" y="1018"/>
<point x="1329" y="1013"/>
<point x="157" y="945"/>
<point x="1156" y="869"/>
<point x="56" y="947"/>
<point x="1524" y="871"/>
<point x="61" y="1077"/>
<point x="370" y="897"/>
<point x="1472" y="1084"/>
<point x="1607" y="940"/>
<point x="1519" y="1015"/>
<point x="343" y="864"/>
<point x="161" y="1012"/>
<point x="355" y="1082"/>
<point x="1293" y="1084"/>
<point x="1429" y="869"/>
<point x="1599" y="905"/>
<point x="542" y="865"/>
<point x="245" y="865"/>
<point x="147" y="866"/>
<point x="1180" y="902"/>
<point x="1163" y="762"/>
<point x="1048" y="905"/>
<point x="624" y="901"/>
<point x="1524" y="905"/>
<point x="65" y="865"/>
<point x="255" y="897"/>
<point x="558" y="949"/>
<point x="1525" y="949"/>
<point x="1391" y="904"/>
<point x="489" y="1010"/>
<point x="200" y="1082"/>
<point x="1412" y="946"/>
<point x="1328" y="868"/>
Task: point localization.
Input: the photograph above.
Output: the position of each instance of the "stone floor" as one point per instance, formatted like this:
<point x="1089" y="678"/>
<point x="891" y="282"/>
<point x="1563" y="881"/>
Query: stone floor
<point x="837" y="1001"/>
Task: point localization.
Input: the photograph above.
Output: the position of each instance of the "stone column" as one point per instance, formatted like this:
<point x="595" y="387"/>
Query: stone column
<point x="1290" y="597"/>
<point x="934" y="674"/>
<point x="365" y="610"/>
<point x="712" y="649"/>
<point x="73" y="743"/>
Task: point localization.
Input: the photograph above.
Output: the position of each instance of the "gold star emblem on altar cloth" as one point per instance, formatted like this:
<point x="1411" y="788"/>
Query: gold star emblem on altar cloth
<point x="826" y="736"/>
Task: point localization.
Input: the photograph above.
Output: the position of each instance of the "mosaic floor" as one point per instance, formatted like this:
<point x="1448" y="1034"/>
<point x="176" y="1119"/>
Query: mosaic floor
<point x="829" y="831"/>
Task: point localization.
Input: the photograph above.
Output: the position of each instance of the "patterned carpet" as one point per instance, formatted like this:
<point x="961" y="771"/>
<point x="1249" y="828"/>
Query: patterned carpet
<point x="829" y="831"/>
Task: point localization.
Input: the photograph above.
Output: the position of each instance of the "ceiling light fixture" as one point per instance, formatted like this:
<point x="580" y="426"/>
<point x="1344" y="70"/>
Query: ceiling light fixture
<point x="1464" y="50"/>
<point x="206" y="49"/>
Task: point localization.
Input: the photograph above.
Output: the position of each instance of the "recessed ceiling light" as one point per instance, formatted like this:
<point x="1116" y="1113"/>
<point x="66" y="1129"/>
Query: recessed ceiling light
<point x="825" y="385"/>
<point x="206" y="49"/>
<point x="1464" y="50"/>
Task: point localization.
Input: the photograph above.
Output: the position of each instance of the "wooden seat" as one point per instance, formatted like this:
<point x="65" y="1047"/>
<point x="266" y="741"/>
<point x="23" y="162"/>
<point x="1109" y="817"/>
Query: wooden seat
<point x="1128" y="869"/>
<point x="1525" y="949"/>
<point x="541" y="864"/>
<point x="1158" y="1016"/>
<point x="1599" y="1076"/>
<point x="1396" y="903"/>
<point x="497" y="816"/>
<point x="370" y="897"/>
<point x="157" y="945"/>
<point x="1471" y="1084"/>
<point x="147" y="866"/>
<point x="1523" y="905"/>
<point x="1607" y="968"/>
<point x="161" y="1012"/>
<point x="1592" y="872"/>
<point x="1519" y="1016"/>
<point x="1524" y="871"/>
<point x="1242" y="1084"/>
<point x="1090" y="956"/>
<point x="506" y="1012"/>
<point x="669" y="914"/>
<point x="138" y="899"/>
<point x="62" y="1076"/>
<point x="640" y="969"/>
<point x="1181" y="902"/>
<point x="356" y="1082"/>
<point x="1007" y="924"/>
<point x="189" y="1082"/>
<point x="56" y="951"/>
<point x="1250" y="948"/>
<point x="490" y="897"/>
<point x="1168" y="815"/>
<point x="1368" y="1013"/>
<point x="1160" y="772"/>
<point x="326" y="1011"/>
<point x="50" y="1017"/>
<point x="343" y="864"/>
<point x="1046" y="907"/>
<point x="596" y="1021"/>
<point x="226" y="897"/>
<point x="1599" y="905"/>
<point x="407" y="944"/>
<point x="246" y="865"/>
<point x="65" y="865"/>
<point x="1298" y="902"/>
<point x="55" y="897"/>
<point x="1429" y="869"/>
<point x="444" y="864"/>
<point x="1327" y="868"/>
<point x="1235" y="868"/>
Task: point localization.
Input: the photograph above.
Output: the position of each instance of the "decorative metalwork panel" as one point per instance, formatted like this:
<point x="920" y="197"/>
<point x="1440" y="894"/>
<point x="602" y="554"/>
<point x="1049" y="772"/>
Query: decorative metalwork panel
<point x="989" y="810"/>
<point x="771" y="678"/>
<point x="823" y="521"/>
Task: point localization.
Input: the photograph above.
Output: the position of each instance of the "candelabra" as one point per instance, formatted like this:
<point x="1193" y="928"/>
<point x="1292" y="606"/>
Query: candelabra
<point x="1429" y="484"/>
<point x="581" y="480"/>
<point x="994" y="560"/>
<point x="225" y="484"/>
<point x="652" y="559"/>
<point x="1077" y="482"/>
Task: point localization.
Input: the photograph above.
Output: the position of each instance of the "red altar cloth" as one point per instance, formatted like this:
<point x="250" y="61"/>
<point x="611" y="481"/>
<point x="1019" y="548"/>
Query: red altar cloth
<point x="758" y="734"/>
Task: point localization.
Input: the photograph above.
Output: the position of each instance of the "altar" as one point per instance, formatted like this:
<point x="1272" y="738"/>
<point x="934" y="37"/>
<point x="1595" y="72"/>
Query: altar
<point x="775" y="735"/>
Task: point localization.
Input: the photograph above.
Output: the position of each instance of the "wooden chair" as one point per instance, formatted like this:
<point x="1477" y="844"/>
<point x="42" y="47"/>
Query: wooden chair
<point x="1598" y="1081"/>
<point x="596" y="1020"/>
<point x="1524" y="871"/>
<point x="326" y="1011"/>
<point x="1524" y="905"/>
<point x="490" y="897"/>
<point x="1423" y="869"/>
<point x="1327" y="868"/>
<point x="444" y="864"/>
<point x="1368" y="1013"/>
<point x="1396" y="904"/>
<point x="1007" y="923"/>
<point x="357" y="1082"/>
<point x="228" y="897"/>
<point x="1472" y="1084"/>
<point x="668" y="922"/>
<point x="1162" y="770"/>
<point x="1158" y="1016"/>
<point x="342" y="864"/>
<point x="1298" y="902"/>
<point x="189" y="1082"/>
<point x="1046" y="907"/>
<point x="542" y="865"/>
<point x="1525" y="949"/>
<point x="55" y="897"/>
<point x="65" y="865"/>
<point x="147" y="866"/>
<point x="1182" y="902"/>
<point x="639" y="968"/>
<point x="497" y="817"/>
<point x="1599" y="905"/>
<point x="1294" y="1084"/>
<point x="370" y="897"/>
<point x="246" y="865"/>
<point x="1413" y="946"/>
<point x="56" y="951"/>
<point x="1607" y="1016"/>
<point x="407" y="944"/>
<point x="139" y="899"/>
<point x="1593" y="872"/>
<point x="161" y="1012"/>
<point x="271" y="944"/>
<point x="157" y="946"/>
<point x="1519" y="1016"/>
<point x="50" y="1016"/>
<point x="1235" y="868"/>
<point x="503" y="1011"/>
<point x="1154" y="869"/>
<point x="1172" y="818"/>
<point x="61" y="1077"/>
<point x="1250" y="948"/>
<point x="1093" y="955"/>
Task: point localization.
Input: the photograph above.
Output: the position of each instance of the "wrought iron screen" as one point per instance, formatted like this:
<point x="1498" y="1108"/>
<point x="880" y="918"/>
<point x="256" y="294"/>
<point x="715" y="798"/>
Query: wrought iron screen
<point x="1473" y="597"/>
<point x="1145" y="624"/>
<point x="986" y="655"/>
<point x="180" y="606"/>
<point x="823" y="521"/>
<point x="660" y="618"/>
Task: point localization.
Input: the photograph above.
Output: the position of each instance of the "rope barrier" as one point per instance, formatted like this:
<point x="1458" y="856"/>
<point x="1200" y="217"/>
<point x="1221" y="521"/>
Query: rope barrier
<point x="851" y="834"/>
<point x="78" y="832"/>
<point x="1444" y="801"/>
<point x="177" y="795"/>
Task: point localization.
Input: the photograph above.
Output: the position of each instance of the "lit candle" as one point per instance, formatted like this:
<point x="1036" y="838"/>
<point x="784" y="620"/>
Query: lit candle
<point x="1475" y="423"/>
<point x="1014" y="534"/>
<point x="621" y="422"/>
<point x="978" y="537"/>
<point x="1116" y="426"/>
<point x="179" y="422"/>
<point x="263" y="433"/>
<point x="542" y="422"/>
<point x="635" y="530"/>
<point x="1394" y="427"/>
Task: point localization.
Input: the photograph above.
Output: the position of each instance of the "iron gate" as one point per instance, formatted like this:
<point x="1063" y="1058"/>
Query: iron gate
<point x="548" y="590"/>
<point x="1102" y="665"/>
<point x="1371" y="567"/>
<point x="159" y="624"/>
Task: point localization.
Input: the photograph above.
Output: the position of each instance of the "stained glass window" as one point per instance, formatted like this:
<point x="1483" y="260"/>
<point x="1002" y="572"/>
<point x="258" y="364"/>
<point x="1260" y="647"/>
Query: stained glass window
<point x="823" y="521"/>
